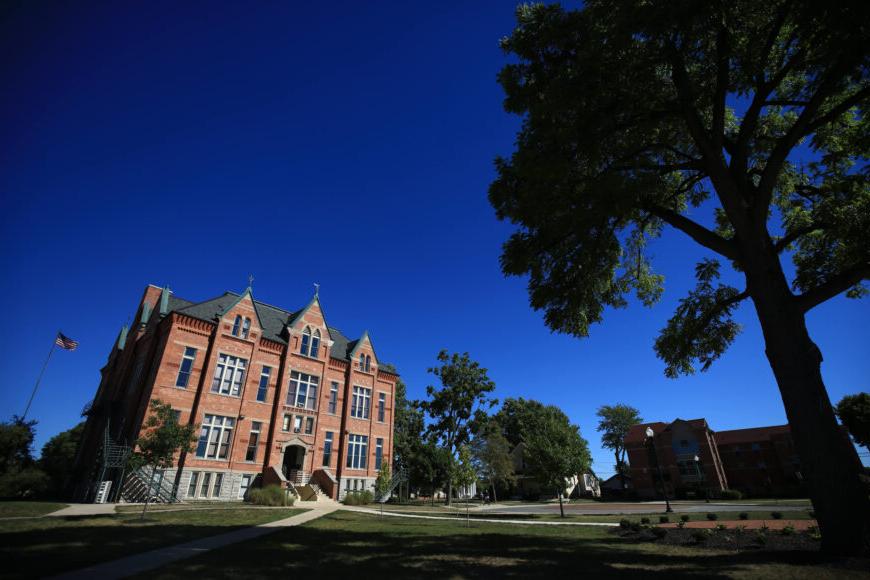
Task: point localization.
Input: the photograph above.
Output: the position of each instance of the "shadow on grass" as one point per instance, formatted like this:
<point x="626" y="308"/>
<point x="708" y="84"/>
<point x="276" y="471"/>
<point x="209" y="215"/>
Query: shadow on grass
<point x="357" y="546"/>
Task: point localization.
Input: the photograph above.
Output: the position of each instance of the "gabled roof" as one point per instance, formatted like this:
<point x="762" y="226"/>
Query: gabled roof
<point x="751" y="435"/>
<point x="637" y="434"/>
<point x="272" y="319"/>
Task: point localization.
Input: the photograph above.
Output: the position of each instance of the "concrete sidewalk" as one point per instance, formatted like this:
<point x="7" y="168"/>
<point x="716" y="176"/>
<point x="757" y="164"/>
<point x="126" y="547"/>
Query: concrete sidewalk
<point x="84" y="509"/>
<point x="146" y="561"/>
<point x="460" y="518"/>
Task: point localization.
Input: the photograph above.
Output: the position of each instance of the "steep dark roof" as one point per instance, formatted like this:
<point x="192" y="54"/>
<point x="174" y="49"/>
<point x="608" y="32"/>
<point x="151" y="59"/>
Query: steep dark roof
<point x="273" y="319"/>
<point x="751" y="435"/>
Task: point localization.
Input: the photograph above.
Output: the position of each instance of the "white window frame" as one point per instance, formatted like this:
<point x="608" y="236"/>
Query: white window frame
<point x="302" y="391"/>
<point x="253" y="440"/>
<point x="246" y="327"/>
<point x="357" y="451"/>
<point x="229" y="375"/>
<point x="237" y="325"/>
<point x="361" y="402"/>
<point x="263" y="387"/>
<point x="332" y="404"/>
<point x="190" y="358"/>
<point x="285" y="425"/>
<point x="216" y="433"/>
<point x="379" y="452"/>
<point x="382" y="407"/>
<point x="309" y="425"/>
<point x="327" y="448"/>
<point x="245" y="484"/>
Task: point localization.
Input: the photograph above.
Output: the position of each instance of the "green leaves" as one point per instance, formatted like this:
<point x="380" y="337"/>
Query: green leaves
<point x="162" y="437"/>
<point x="701" y="329"/>
<point x="554" y="450"/>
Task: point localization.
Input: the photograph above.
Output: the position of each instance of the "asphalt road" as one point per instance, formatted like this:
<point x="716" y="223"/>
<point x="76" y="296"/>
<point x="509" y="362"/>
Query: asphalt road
<point x="641" y="508"/>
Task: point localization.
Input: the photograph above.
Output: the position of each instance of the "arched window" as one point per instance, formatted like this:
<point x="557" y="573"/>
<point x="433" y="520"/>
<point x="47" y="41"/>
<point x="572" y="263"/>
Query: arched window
<point x="237" y="325"/>
<point x="246" y="327"/>
<point x="306" y="341"/>
<point x="368" y="363"/>
<point x="362" y="362"/>
<point x="315" y="344"/>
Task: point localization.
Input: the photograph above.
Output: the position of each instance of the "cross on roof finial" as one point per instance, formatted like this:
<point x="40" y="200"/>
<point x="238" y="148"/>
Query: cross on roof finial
<point x="250" y="280"/>
<point x="316" y="290"/>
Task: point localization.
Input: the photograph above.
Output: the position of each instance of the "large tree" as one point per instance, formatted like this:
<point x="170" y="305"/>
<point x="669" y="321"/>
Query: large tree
<point x="58" y="457"/>
<point x="491" y="454"/>
<point x="20" y="477"/>
<point x="854" y="412"/>
<point x="555" y="451"/>
<point x="514" y="414"/>
<point x="613" y="424"/>
<point x="635" y="112"/>
<point x="459" y="405"/>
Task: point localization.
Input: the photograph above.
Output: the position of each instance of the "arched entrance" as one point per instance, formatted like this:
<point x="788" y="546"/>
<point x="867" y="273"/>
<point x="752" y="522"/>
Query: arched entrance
<point x="293" y="461"/>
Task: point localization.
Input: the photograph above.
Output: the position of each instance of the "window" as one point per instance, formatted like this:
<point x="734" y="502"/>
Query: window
<point x="379" y="452"/>
<point x="368" y="363"/>
<point x="315" y="344"/>
<point x="327" y="449"/>
<point x="264" y="383"/>
<point x="246" y="327"/>
<point x="297" y="423"/>
<point x="237" y="325"/>
<point x="191" y="489"/>
<point x="286" y="425"/>
<point x="186" y="367"/>
<point x="251" y="453"/>
<point x="244" y="485"/>
<point x="229" y="375"/>
<point x="214" y="438"/>
<point x="357" y="450"/>
<point x="309" y="425"/>
<point x="756" y="447"/>
<point x="333" y="398"/>
<point x="360" y="405"/>
<point x="362" y="362"/>
<point x="302" y="391"/>
<point x="310" y="343"/>
<point x="218" y="480"/>
<point x="382" y="403"/>
<point x="206" y="481"/>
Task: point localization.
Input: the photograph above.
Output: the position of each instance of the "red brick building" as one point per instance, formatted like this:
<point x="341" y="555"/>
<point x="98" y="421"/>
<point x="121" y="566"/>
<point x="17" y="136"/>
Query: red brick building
<point x="277" y="396"/>
<point x="695" y="459"/>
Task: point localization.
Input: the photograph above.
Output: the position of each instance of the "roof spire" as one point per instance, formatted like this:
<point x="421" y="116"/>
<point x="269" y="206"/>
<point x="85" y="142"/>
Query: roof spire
<point x="316" y="290"/>
<point x="250" y="281"/>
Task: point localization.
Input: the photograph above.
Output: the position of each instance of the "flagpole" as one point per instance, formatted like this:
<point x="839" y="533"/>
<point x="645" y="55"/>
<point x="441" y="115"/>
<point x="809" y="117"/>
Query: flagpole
<point x="39" y="378"/>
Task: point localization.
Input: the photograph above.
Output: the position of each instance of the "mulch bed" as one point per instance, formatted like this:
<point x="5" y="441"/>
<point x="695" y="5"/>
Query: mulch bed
<point x="748" y="524"/>
<point x="729" y="539"/>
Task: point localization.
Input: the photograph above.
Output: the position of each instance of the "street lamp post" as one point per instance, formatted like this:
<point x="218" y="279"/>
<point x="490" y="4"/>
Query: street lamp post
<point x="698" y="471"/>
<point x="649" y="435"/>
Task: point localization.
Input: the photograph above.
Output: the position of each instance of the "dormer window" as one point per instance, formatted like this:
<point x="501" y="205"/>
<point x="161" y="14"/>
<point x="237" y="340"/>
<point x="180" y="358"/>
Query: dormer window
<point x="310" y="342"/>
<point x="368" y="364"/>
<point x="246" y="327"/>
<point x="237" y="325"/>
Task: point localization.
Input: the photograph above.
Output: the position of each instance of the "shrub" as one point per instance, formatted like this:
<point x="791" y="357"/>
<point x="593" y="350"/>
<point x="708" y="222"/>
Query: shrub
<point x="271" y="495"/>
<point x="364" y="497"/>
<point x="681" y="525"/>
<point x="776" y="515"/>
<point x="659" y="532"/>
<point x="712" y="516"/>
<point x="685" y="518"/>
<point x="764" y="527"/>
<point x="731" y="494"/>
<point x="721" y="527"/>
<point x="760" y="538"/>
<point x="624" y="523"/>
<point x="644" y="520"/>
<point x="813" y="533"/>
<point x="664" y="519"/>
<point x="701" y="536"/>
<point x="635" y="527"/>
<point x="787" y="531"/>
<point x="743" y="516"/>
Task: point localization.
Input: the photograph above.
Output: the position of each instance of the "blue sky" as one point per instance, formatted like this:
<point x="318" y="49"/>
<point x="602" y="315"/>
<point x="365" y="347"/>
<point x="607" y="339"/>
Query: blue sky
<point x="191" y="144"/>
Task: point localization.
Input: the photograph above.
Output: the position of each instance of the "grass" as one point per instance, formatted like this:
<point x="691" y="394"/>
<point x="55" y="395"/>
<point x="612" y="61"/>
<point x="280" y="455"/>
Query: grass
<point x="346" y="544"/>
<point x="45" y="546"/>
<point x="14" y="509"/>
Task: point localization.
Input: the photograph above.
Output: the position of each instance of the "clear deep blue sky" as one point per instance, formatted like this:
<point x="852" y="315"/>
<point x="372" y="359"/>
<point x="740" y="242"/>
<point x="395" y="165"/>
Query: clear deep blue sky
<point x="191" y="144"/>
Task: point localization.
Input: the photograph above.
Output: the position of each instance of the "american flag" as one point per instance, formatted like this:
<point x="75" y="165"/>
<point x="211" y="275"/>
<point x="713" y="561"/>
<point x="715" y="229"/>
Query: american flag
<point x="65" y="342"/>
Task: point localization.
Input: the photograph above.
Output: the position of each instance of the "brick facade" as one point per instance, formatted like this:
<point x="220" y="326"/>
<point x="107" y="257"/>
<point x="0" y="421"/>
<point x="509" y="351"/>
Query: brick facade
<point x="283" y="382"/>
<point x="695" y="459"/>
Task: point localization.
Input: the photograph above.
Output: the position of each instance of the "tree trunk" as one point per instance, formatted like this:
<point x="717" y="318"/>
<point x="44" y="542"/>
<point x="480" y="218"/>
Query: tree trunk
<point x="621" y="471"/>
<point x="828" y="461"/>
<point x="147" y="495"/>
<point x="449" y="492"/>
<point x="561" y="507"/>
<point x="494" y="499"/>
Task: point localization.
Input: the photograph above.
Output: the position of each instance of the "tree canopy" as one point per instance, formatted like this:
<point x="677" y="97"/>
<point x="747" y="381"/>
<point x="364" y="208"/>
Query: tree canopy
<point x="614" y="424"/>
<point x="491" y="454"/>
<point x="58" y="457"/>
<point x="854" y="412"/>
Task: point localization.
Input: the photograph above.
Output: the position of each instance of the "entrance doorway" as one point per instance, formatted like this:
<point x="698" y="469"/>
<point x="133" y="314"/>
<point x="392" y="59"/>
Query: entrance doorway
<point x="293" y="464"/>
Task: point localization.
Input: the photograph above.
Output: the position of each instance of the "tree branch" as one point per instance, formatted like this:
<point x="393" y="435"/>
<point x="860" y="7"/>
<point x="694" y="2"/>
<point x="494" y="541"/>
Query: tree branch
<point x="838" y="110"/>
<point x="790" y="237"/>
<point x="832" y="286"/>
<point x="697" y="232"/>
<point x="722" y="54"/>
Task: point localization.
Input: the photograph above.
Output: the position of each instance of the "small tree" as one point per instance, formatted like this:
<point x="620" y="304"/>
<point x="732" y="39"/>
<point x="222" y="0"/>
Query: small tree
<point x="463" y="474"/>
<point x="555" y="451"/>
<point x="19" y="475"/>
<point x="162" y="438"/>
<point x="382" y="485"/>
<point x="458" y="406"/>
<point x="58" y="457"/>
<point x="491" y="456"/>
<point x="854" y="413"/>
<point x="615" y="422"/>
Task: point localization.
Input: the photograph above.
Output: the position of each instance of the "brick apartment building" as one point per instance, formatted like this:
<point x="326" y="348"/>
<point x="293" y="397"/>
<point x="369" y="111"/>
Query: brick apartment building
<point x="760" y="461"/>
<point x="279" y="397"/>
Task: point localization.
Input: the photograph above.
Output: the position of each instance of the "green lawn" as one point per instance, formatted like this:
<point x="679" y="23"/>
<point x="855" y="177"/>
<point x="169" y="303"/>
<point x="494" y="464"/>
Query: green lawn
<point x="352" y="545"/>
<point x="44" y="546"/>
<point x="10" y="509"/>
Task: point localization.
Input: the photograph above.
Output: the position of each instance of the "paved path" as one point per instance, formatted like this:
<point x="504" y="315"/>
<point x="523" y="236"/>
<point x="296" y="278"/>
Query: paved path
<point x="84" y="509"/>
<point x="478" y="519"/>
<point x="162" y="556"/>
<point x="639" y="508"/>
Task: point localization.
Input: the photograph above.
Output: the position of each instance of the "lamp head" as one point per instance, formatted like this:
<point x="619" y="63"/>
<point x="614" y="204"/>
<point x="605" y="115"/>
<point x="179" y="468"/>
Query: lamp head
<point x="649" y="432"/>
